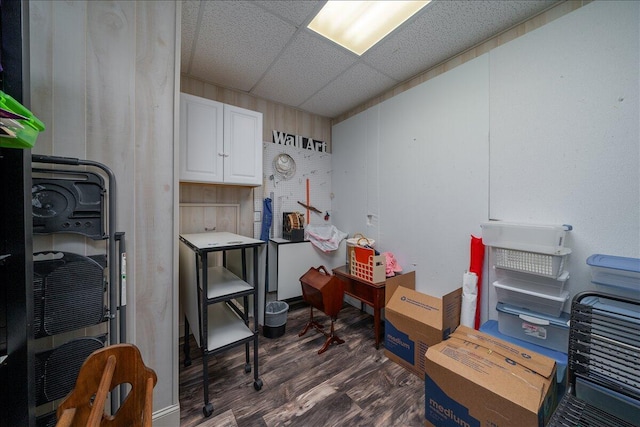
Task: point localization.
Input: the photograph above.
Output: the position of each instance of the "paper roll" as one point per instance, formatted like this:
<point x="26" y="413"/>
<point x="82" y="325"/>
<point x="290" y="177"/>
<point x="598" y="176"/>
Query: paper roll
<point x="469" y="296"/>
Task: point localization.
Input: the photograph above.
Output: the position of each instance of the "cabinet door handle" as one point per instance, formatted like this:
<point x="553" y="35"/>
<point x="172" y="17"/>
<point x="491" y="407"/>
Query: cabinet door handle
<point x="223" y="155"/>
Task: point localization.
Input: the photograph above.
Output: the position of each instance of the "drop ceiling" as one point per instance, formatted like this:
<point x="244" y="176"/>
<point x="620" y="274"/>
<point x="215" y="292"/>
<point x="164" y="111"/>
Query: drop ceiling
<point x="263" y="48"/>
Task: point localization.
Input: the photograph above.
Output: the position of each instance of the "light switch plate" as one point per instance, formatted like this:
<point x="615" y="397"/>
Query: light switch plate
<point x="256" y="216"/>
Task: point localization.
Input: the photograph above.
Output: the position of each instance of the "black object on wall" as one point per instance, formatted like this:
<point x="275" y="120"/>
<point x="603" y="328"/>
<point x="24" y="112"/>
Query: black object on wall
<point x="17" y="381"/>
<point x="11" y="52"/>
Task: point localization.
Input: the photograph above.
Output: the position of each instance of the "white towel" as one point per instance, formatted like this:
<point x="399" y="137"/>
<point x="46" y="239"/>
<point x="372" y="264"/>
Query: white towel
<point x="324" y="237"/>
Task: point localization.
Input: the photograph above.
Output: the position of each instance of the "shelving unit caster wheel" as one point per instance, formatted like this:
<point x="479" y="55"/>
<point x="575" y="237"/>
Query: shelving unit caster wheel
<point x="207" y="409"/>
<point x="257" y="384"/>
<point x="247" y="368"/>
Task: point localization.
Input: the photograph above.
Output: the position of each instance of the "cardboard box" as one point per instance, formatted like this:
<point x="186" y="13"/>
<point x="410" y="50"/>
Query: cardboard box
<point x="414" y="321"/>
<point x="407" y="280"/>
<point x="475" y="379"/>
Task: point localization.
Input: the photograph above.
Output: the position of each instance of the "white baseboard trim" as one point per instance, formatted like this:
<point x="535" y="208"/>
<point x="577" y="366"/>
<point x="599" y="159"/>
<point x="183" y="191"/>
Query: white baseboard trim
<point x="167" y="417"/>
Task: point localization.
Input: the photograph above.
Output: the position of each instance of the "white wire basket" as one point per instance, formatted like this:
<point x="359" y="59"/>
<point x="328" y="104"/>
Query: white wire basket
<point x="546" y="265"/>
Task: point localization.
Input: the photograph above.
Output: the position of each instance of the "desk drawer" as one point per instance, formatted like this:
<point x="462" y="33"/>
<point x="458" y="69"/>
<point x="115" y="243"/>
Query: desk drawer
<point x="365" y="293"/>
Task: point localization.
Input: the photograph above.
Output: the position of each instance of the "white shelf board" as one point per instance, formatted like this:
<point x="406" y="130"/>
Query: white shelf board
<point x="225" y="327"/>
<point x="223" y="282"/>
<point x="219" y="240"/>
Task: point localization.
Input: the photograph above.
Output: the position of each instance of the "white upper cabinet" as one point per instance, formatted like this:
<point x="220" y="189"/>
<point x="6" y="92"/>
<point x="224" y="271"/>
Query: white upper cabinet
<point x="242" y="146"/>
<point x="219" y="143"/>
<point x="201" y="139"/>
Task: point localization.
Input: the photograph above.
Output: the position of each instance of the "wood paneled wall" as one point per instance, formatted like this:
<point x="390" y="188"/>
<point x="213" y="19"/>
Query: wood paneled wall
<point x="103" y="78"/>
<point x="221" y="194"/>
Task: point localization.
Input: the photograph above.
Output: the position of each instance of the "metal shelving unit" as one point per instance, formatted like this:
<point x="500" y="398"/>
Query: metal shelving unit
<point x="74" y="293"/>
<point x="218" y="312"/>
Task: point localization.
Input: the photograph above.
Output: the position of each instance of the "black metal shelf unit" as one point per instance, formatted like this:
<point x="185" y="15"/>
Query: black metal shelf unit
<point x="71" y="291"/>
<point x="17" y="397"/>
<point x="16" y="303"/>
<point x="211" y="300"/>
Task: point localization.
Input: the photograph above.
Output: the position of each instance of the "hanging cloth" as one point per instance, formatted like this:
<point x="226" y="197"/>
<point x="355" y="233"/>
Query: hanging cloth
<point x="267" y="217"/>
<point x="325" y="237"/>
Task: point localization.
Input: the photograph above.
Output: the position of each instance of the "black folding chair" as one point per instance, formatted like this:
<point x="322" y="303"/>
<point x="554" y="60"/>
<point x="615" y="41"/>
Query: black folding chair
<point x="604" y="363"/>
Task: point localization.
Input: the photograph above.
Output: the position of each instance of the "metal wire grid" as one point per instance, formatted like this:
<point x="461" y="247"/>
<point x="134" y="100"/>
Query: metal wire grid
<point x="530" y="262"/>
<point x="604" y="349"/>
<point x="572" y="412"/>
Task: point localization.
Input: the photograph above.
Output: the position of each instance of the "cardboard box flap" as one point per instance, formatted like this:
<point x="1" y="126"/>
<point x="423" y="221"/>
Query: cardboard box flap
<point x="496" y="373"/>
<point x="406" y="280"/>
<point x="416" y="305"/>
<point x="543" y="365"/>
<point x="451" y="305"/>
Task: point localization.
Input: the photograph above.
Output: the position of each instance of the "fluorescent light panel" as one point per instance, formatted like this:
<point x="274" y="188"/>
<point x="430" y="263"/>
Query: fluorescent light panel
<point x="358" y="25"/>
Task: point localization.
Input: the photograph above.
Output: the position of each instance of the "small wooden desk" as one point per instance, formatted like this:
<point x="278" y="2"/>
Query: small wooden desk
<point x="373" y="294"/>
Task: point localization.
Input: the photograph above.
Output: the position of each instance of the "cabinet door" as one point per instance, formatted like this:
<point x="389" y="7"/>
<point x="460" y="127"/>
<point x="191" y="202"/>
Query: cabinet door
<point x="201" y="139"/>
<point x="242" y="146"/>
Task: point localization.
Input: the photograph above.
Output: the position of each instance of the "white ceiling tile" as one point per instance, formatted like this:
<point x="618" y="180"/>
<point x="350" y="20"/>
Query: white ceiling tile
<point x="261" y="47"/>
<point x="306" y="65"/>
<point x="357" y="85"/>
<point x="443" y="30"/>
<point x="189" y="22"/>
<point x="237" y="42"/>
<point x="298" y="12"/>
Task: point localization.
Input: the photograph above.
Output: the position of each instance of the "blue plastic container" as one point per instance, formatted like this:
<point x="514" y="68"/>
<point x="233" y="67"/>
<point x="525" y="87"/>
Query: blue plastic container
<point x="562" y="359"/>
<point x="616" y="275"/>
<point x="538" y="328"/>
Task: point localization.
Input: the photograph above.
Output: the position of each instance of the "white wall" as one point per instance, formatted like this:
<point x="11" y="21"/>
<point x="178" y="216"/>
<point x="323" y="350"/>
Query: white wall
<point x="543" y="129"/>
<point x="564" y="131"/>
<point x="412" y="172"/>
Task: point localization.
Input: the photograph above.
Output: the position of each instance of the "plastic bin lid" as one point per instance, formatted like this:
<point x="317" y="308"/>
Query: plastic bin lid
<point x="535" y="317"/>
<point x="623" y="310"/>
<point x="614" y="262"/>
<point x="491" y="327"/>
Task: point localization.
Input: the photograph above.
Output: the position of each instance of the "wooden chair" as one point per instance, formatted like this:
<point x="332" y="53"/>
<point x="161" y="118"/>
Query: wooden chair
<point x="104" y="370"/>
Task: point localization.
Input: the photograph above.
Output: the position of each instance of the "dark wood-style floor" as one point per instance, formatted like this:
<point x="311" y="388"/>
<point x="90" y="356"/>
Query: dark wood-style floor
<point x="351" y="384"/>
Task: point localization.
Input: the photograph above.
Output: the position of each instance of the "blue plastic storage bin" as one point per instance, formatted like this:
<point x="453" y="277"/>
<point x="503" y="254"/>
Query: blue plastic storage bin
<point x="537" y="328"/>
<point x="616" y="275"/>
<point x="562" y="359"/>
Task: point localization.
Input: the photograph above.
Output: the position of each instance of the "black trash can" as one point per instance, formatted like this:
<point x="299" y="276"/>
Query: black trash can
<point x="275" y="319"/>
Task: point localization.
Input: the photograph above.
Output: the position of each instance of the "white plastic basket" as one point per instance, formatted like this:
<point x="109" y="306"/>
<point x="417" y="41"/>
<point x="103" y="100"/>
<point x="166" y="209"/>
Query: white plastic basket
<point x="530" y="299"/>
<point x="544" y="285"/>
<point x="372" y="270"/>
<point x="546" y="265"/>
<point x="526" y="237"/>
